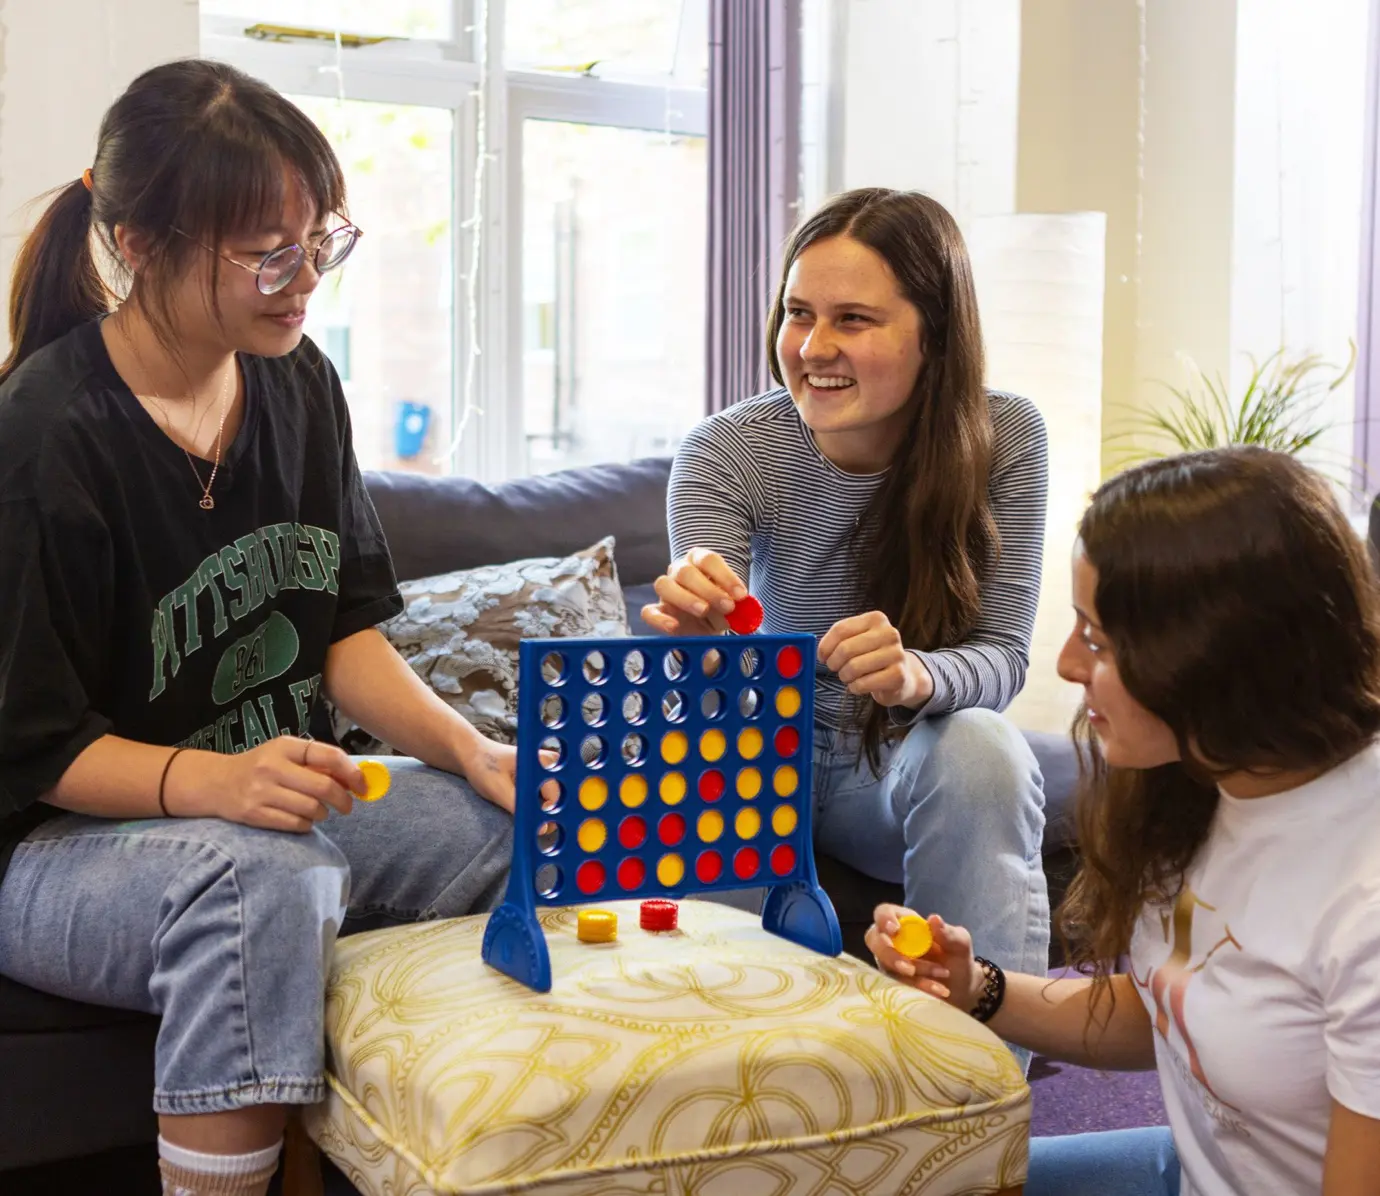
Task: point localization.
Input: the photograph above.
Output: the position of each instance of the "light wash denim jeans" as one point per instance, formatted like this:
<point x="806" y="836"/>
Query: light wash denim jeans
<point x="1115" y="1163"/>
<point x="227" y="931"/>
<point x="958" y="817"/>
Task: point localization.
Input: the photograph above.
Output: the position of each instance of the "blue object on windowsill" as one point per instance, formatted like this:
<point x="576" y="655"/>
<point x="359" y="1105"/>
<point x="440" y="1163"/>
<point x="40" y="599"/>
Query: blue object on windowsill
<point x="413" y="421"/>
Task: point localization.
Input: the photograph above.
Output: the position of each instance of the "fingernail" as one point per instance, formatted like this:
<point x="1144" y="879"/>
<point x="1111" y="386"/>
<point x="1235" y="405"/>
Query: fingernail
<point x="725" y="605"/>
<point x="740" y="591"/>
<point x="906" y="969"/>
<point x="700" y="608"/>
<point x="941" y="973"/>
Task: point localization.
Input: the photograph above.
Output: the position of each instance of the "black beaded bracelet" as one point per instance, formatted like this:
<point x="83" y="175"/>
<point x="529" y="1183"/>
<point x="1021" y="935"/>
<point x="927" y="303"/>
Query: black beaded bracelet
<point x="993" y="990"/>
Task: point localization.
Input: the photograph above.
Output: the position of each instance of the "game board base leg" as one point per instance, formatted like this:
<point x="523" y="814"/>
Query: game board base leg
<point x="515" y="945"/>
<point x="803" y="914"/>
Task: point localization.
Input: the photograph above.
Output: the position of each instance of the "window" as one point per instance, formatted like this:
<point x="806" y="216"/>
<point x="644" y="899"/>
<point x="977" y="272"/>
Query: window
<point x="580" y="336"/>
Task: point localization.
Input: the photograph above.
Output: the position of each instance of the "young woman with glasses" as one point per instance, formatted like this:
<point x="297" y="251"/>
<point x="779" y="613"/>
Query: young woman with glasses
<point x="190" y="558"/>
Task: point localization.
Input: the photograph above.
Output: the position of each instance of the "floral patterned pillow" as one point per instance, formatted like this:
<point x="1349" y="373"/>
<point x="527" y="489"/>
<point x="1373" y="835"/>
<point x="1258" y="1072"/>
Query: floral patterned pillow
<point x="460" y="631"/>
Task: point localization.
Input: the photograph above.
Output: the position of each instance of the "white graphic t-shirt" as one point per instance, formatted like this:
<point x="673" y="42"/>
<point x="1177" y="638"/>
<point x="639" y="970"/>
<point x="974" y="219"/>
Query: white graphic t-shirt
<point x="1263" y="984"/>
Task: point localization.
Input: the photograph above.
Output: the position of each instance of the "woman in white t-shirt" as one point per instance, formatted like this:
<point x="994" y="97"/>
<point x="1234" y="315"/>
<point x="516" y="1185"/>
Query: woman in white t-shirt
<point x="1227" y="640"/>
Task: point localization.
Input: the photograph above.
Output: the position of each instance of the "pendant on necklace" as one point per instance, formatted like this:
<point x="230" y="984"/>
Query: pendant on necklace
<point x="207" y="502"/>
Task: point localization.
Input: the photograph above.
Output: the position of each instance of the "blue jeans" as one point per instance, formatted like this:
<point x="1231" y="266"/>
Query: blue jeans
<point x="957" y="816"/>
<point x="1114" y="1163"/>
<point x="227" y="931"/>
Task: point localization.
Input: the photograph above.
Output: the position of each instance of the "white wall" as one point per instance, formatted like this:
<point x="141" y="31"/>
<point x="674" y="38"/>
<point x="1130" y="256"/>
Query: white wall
<point x="62" y="62"/>
<point x="929" y="100"/>
<point x="1300" y="127"/>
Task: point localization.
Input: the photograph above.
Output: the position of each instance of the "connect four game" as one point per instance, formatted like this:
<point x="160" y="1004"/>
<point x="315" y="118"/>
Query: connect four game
<point x="683" y="767"/>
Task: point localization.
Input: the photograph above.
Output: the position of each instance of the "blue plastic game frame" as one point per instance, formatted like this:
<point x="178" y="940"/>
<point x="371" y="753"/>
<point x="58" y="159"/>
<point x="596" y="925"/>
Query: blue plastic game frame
<point x="587" y="699"/>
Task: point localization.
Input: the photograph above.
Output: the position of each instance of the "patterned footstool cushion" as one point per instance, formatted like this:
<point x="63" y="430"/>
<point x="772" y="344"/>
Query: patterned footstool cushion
<point x="717" y="1060"/>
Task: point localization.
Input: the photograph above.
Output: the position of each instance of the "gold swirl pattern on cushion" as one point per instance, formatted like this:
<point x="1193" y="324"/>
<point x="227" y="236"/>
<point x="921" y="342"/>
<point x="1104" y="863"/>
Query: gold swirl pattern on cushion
<point x="716" y="1060"/>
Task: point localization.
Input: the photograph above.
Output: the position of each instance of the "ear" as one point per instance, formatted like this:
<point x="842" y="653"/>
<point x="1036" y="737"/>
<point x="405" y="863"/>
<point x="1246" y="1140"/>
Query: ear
<point x="133" y="246"/>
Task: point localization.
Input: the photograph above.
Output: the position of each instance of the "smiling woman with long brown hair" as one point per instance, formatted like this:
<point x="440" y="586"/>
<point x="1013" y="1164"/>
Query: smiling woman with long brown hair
<point x="885" y="500"/>
<point x="1227" y="640"/>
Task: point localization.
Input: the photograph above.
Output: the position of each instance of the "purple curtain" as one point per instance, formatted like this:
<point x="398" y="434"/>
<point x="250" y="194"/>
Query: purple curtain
<point x="754" y="172"/>
<point x="1368" y="308"/>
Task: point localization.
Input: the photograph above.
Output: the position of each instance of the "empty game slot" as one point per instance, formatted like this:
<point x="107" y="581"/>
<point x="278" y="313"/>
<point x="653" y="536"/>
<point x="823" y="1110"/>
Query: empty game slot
<point x="551" y="753"/>
<point x="594" y="751"/>
<point x="674" y="664"/>
<point x="751" y="702"/>
<point x="548" y="880"/>
<point x="549" y="838"/>
<point x="596" y="668"/>
<point x="635" y="666"/>
<point x="553" y="668"/>
<point x="594" y="710"/>
<point x="553" y="711"/>
<point x="713" y="704"/>
<point x="674" y="707"/>
<point x="750" y="662"/>
<point x="634" y="708"/>
<point x="712" y="663"/>
<point x="634" y="749"/>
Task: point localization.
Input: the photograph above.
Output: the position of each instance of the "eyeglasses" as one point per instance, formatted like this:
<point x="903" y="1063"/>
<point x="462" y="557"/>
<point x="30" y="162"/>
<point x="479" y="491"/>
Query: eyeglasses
<point x="277" y="269"/>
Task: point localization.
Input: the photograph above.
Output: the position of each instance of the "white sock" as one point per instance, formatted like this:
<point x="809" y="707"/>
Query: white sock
<point x="193" y="1173"/>
<point x="218" y="1164"/>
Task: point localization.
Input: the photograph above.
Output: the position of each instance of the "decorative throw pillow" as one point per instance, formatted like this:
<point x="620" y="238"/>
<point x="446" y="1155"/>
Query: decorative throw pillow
<point x="460" y="632"/>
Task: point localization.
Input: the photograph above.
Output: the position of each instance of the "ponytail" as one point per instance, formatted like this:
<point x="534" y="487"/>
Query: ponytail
<point x="56" y="284"/>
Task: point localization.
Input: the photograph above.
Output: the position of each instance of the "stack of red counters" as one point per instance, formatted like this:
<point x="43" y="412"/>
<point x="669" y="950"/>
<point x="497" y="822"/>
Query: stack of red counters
<point x="746" y="616"/>
<point x="659" y="915"/>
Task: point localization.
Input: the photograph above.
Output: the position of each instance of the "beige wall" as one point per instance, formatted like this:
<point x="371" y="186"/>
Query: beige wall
<point x="1169" y="215"/>
<point x="62" y="62"/>
<point x="1233" y="228"/>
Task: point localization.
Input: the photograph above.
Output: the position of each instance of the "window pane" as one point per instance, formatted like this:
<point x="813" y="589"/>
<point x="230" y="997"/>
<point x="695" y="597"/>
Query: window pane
<point x="386" y="318"/>
<point x="613" y="292"/>
<point x="629" y="37"/>
<point x="399" y="18"/>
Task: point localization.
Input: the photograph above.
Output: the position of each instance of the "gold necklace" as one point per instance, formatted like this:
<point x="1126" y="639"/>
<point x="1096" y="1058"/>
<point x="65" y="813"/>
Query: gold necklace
<point x="206" y="503"/>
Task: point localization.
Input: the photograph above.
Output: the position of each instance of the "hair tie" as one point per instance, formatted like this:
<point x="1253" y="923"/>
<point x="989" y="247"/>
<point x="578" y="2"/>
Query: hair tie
<point x="86" y="178"/>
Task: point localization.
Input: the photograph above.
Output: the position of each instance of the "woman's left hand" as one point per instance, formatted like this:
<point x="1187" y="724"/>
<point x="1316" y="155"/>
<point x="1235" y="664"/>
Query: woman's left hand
<point x="866" y="653"/>
<point x="491" y="768"/>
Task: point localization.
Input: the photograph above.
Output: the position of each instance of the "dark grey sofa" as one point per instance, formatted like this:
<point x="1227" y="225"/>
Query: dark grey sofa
<point x="77" y="1080"/>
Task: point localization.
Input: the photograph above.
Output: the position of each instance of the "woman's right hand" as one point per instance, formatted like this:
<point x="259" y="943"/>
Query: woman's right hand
<point x="696" y="593"/>
<point x="947" y="971"/>
<point x="285" y="784"/>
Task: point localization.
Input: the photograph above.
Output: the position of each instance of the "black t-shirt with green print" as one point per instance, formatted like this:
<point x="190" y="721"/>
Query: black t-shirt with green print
<point x="125" y="608"/>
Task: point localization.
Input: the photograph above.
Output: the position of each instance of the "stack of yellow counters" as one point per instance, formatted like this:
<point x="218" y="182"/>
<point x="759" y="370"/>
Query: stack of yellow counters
<point x="597" y="926"/>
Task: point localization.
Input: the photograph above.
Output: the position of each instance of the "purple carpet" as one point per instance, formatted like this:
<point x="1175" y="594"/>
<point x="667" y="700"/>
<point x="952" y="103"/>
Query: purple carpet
<point x="1077" y="1100"/>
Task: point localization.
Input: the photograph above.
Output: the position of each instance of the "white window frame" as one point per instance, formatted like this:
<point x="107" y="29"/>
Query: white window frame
<point x="447" y="75"/>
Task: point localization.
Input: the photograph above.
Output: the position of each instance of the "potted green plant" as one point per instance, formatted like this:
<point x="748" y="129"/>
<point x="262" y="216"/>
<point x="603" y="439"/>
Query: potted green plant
<point x="1281" y="408"/>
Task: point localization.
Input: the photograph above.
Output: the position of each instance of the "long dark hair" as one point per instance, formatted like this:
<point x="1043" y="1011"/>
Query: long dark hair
<point x="929" y="538"/>
<point x="192" y="147"/>
<point x="1242" y="610"/>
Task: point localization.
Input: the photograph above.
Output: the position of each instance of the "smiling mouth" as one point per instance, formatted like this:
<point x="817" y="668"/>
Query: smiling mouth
<point x="829" y="381"/>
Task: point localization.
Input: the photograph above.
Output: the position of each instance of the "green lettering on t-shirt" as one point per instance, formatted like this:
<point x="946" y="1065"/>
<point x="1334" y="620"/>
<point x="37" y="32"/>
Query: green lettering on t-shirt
<point x="207" y="571"/>
<point x="310" y="574"/>
<point x="230" y="556"/>
<point x="253" y="728"/>
<point x="327" y="545"/>
<point x="162" y="644"/>
<point x="304" y="696"/>
<point x="253" y="568"/>
<point x="185" y="596"/>
<point x="270" y="718"/>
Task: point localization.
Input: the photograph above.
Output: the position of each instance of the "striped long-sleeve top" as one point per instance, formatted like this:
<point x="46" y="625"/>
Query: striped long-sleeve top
<point x="751" y="484"/>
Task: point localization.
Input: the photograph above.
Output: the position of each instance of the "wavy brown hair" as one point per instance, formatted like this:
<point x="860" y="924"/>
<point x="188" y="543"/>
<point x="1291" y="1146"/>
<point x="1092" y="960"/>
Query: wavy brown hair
<point x="1242" y="610"/>
<point x="929" y="539"/>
